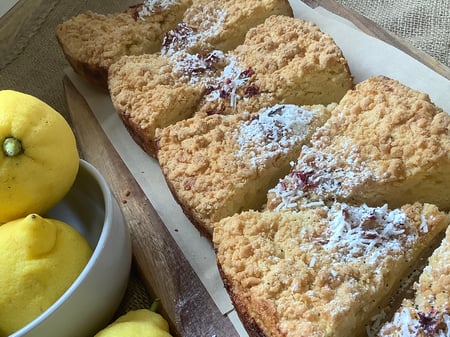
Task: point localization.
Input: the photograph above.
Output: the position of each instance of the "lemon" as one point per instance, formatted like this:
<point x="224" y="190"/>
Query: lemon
<point x="40" y="258"/>
<point x="137" y="323"/>
<point x="38" y="158"/>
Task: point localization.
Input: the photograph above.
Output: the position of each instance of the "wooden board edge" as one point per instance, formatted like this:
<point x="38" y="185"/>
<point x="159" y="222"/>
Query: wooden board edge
<point x="371" y="28"/>
<point x="164" y="269"/>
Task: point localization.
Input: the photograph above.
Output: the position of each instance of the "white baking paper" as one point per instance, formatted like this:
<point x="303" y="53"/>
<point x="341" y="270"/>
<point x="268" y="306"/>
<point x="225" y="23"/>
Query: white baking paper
<point x="366" y="56"/>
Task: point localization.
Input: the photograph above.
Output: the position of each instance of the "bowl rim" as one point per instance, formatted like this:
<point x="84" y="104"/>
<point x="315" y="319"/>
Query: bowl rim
<point x="108" y="204"/>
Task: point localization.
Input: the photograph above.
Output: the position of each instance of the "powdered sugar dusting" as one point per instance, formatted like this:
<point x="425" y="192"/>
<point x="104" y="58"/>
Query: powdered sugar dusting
<point x="149" y="7"/>
<point x="410" y="322"/>
<point x="211" y="25"/>
<point x="368" y="232"/>
<point x="198" y="68"/>
<point x="200" y="64"/>
<point x="233" y="77"/>
<point x="273" y="131"/>
<point x="429" y="313"/>
<point x="320" y="175"/>
<point x="360" y="236"/>
<point x="185" y="37"/>
<point x="349" y="237"/>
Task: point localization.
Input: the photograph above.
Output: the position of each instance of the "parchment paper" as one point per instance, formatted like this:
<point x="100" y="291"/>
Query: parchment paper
<point x="367" y="56"/>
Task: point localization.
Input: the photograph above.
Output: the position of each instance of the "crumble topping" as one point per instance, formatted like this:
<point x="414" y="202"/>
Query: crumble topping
<point x="229" y="82"/>
<point x="415" y="323"/>
<point x="150" y="7"/>
<point x="367" y="232"/>
<point x="177" y="39"/>
<point x="322" y="173"/>
<point x="274" y="131"/>
<point x="186" y="36"/>
<point x="198" y="67"/>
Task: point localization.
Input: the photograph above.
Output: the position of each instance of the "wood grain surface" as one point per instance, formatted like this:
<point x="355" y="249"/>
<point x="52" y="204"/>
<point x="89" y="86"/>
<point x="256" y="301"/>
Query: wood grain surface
<point x="167" y="274"/>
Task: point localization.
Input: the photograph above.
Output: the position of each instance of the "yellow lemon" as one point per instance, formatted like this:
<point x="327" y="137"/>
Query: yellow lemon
<point x="38" y="158"/>
<point x="137" y="323"/>
<point x="40" y="258"/>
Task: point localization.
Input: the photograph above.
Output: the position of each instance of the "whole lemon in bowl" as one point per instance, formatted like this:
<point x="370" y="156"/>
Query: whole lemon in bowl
<point x="95" y="295"/>
<point x="38" y="158"/>
<point x="40" y="259"/>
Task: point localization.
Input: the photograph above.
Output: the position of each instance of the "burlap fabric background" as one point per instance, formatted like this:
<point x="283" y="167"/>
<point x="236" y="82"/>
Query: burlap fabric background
<point x="31" y="61"/>
<point x="424" y="24"/>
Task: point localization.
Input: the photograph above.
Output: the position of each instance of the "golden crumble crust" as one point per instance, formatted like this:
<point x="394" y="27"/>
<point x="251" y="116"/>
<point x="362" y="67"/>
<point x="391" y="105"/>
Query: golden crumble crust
<point x="220" y="86"/>
<point x="299" y="274"/>
<point x="283" y="60"/>
<point x="222" y="164"/>
<point x="393" y="121"/>
<point x="289" y="49"/>
<point x="91" y="42"/>
<point x="384" y="143"/>
<point x="222" y="24"/>
<point x="143" y="88"/>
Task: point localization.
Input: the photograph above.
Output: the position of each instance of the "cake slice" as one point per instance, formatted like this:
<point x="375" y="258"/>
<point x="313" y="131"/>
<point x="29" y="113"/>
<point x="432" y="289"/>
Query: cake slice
<point x="220" y="24"/>
<point x="152" y="91"/>
<point x="219" y="84"/>
<point x="285" y="60"/>
<point x="321" y="271"/>
<point x="91" y="42"/>
<point x="428" y="315"/>
<point x="384" y="143"/>
<point x="223" y="164"/>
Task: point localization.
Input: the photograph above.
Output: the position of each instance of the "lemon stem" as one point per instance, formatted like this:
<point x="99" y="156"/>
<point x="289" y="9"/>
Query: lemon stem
<point x="12" y="147"/>
<point x="155" y="304"/>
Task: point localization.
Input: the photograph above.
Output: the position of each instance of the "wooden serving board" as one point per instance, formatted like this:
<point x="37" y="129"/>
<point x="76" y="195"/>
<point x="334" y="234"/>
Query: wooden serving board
<point x="166" y="272"/>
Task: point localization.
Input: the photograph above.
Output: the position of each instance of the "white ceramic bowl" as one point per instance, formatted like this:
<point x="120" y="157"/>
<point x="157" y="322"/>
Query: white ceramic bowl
<point x="95" y="295"/>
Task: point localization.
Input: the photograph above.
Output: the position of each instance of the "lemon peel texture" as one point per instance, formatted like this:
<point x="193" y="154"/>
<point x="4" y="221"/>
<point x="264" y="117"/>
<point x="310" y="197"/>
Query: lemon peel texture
<point x="39" y="159"/>
<point x="137" y="323"/>
<point x="40" y="260"/>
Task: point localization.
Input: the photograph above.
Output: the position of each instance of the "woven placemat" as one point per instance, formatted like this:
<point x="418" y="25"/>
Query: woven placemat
<point x="425" y="24"/>
<point x="32" y="62"/>
<point x="30" y="58"/>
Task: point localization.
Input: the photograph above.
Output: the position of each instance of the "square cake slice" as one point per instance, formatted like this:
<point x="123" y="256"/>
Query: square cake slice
<point x="222" y="164"/>
<point x="323" y="271"/>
